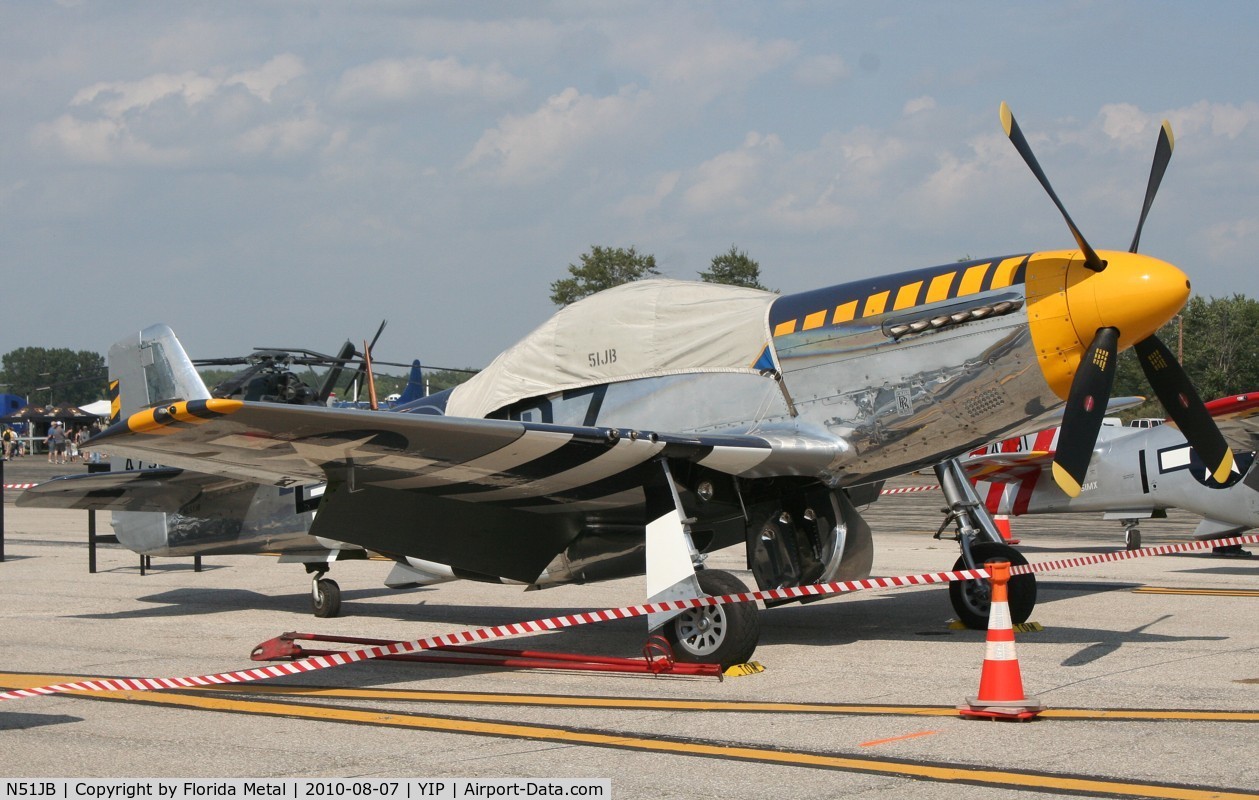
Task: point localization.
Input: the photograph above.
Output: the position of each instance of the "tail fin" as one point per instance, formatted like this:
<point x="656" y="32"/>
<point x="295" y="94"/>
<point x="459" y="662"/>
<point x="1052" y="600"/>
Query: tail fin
<point x="415" y="385"/>
<point x="150" y="369"/>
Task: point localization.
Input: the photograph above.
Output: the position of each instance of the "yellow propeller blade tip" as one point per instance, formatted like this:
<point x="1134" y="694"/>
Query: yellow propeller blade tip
<point x="1225" y="468"/>
<point x="1069" y="485"/>
<point x="1171" y="140"/>
<point x="1007" y="118"/>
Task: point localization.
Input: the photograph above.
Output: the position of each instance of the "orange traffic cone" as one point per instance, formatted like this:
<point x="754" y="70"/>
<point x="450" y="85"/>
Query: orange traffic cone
<point x="1001" y="682"/>
<point x="1002" y="521"/>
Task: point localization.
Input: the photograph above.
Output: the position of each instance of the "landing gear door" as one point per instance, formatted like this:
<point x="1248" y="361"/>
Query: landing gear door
<point x="851" y="545"/>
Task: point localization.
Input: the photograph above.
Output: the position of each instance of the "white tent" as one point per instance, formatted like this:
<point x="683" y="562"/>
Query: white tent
<point x="100" y="408"/>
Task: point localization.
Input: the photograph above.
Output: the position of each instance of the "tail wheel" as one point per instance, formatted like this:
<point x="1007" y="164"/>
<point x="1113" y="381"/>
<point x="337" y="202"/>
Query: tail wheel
<point x="325" y="598"/>
<point x="1132" y="539"/>
<point x="725" y="634"/>
<point x="972" y="599"/>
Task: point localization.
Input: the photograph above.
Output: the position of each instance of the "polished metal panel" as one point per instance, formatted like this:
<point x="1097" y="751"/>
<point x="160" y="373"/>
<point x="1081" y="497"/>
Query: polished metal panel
<point x="940" y="393"/>
<point x="247" y="519"/>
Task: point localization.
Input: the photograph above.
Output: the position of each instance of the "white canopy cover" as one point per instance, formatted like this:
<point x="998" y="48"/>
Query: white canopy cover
<point x="636" y="330"/>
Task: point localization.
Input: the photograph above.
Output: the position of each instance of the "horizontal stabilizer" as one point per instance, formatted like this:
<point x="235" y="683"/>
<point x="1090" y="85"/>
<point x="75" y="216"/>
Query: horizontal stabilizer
<point x="1215" y="529"/>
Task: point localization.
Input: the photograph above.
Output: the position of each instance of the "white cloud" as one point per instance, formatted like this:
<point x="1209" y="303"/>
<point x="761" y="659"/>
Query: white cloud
<point x="1130" y="125"/>
<point x="866" y="155"/>
<point x="114" y="99"/>
<point x="1219" y="119"/>
<point x="262" y="82"/>
<point x="407" y="79"/>
<point x="941" y="188"/>
<point x="1124" y="122"/>
<point x="733" y="179"/>
<point x="523" y="148"/>
<point x="103" y="141"/>
<point x="953" y="178"/>
<point x="283" y="138"/>
<point x="170" y="119"/>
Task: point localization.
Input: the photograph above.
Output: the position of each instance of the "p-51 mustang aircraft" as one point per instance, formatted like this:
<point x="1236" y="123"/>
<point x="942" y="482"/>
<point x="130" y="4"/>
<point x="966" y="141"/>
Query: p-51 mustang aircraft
<point x="645" y="426"/>
<point x="1135" y="474"/>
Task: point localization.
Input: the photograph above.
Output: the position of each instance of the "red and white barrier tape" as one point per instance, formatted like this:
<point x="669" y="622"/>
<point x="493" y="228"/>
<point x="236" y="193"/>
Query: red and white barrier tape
<point x="1123" y="555"/>
<point x="898" y="490"/>
<point x="907" y="489"/>
<point x="315" y="663"/>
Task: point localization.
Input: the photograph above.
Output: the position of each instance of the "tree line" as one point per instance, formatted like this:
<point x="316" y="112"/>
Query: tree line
<point x="605" y="267"/>
<point x="52" y="376"/>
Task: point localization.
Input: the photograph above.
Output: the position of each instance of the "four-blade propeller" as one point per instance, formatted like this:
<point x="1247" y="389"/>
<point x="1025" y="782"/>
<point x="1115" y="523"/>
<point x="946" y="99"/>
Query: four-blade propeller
<point x="1095" y="375"/>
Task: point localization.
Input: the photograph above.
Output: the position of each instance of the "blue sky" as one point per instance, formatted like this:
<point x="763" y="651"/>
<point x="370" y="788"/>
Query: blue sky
<point x="290" y="173"/>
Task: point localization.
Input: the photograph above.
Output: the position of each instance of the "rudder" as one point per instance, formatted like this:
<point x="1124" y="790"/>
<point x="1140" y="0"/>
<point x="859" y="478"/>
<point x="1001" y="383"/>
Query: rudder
<point x="149" y="369"/>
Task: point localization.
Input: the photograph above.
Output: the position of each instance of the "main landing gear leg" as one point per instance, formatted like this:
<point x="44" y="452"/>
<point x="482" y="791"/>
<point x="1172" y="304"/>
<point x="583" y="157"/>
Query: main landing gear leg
<point x="723" y="634"/>
<point x="981" y="543"/>
<point x="325" y="594"/>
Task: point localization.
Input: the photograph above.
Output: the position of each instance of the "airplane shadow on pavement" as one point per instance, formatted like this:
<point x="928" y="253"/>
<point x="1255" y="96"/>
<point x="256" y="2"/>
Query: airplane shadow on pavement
<point x="21" y="721"/>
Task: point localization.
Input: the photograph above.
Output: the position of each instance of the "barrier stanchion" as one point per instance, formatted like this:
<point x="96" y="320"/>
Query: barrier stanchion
<point x="92" y="538"/>
<point x="91" y="541"/>
<point x="1" y="511"/>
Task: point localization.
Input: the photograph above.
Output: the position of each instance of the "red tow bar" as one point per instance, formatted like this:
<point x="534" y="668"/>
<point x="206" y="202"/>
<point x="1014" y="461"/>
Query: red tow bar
<point x="657" y="656"/>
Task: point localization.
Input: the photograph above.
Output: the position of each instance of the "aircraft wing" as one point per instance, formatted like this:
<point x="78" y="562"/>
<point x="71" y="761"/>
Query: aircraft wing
<point x="497" y="460"/>
<point x="161" y="489"/>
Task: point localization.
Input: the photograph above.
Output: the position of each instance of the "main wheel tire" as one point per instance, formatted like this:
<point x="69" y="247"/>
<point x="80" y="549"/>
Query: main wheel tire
<point x="325" y="600"/>
<point x="1132" y="539"/>
<point x="972" y="599"/>
<point x="725" y="634"/>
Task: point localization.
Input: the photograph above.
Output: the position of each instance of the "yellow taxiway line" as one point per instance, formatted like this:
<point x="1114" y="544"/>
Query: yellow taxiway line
<point x="947" y="773"/>
<point x="1198" y="592"/>
<point x="741" y="706"/>
<point x="12" y="680"/>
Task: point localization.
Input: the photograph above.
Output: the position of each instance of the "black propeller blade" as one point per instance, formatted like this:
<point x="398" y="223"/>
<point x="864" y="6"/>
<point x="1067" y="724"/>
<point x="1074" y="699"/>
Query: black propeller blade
<point x="1183" y="405"/>
<point x="329" y="384"/>
<point x="1162" y="155"/>
<point x="1162" y="369"/>
<point x="1086" y="407"/>
<point x="1091" y="259"/>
